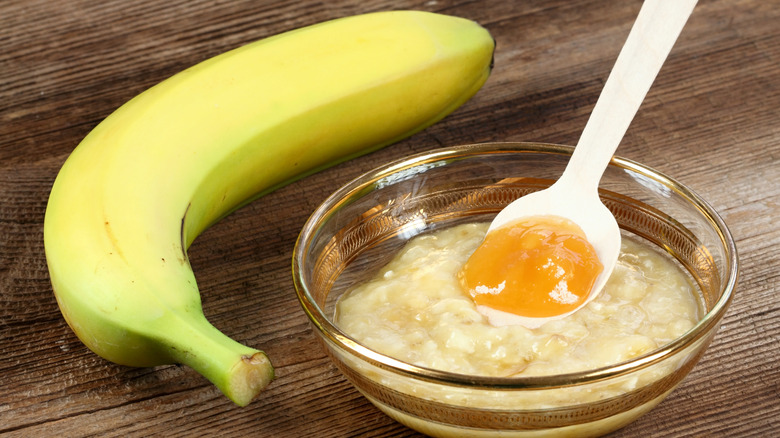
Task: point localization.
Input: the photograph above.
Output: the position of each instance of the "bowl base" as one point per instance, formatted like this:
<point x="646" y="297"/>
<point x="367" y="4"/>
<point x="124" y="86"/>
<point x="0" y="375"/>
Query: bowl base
<point x="585" y="430"/>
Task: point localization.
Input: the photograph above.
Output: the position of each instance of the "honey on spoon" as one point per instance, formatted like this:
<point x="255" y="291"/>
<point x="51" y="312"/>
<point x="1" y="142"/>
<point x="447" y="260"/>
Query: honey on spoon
<point x="549" y="253"/>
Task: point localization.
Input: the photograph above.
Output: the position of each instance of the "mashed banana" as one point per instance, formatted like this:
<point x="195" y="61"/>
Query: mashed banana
<point x="415" y="310"/>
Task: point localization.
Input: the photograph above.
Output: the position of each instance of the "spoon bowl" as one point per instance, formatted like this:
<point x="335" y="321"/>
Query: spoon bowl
<point x="570" y="201"/>
<point x="575" y="195"/>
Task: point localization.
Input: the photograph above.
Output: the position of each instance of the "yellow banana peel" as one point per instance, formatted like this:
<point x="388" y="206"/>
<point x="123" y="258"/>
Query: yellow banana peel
<point x="175" y="159"/>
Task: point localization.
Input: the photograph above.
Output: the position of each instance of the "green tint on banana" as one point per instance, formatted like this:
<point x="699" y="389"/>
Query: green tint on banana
<point x="175" y="159"/>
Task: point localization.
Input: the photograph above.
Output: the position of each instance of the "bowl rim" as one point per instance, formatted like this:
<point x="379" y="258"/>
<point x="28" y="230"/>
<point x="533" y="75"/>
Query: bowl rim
<point x="333" y="334"/>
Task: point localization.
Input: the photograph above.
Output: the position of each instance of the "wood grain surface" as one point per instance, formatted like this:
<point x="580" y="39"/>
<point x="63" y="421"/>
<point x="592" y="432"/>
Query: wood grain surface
<point x="710" y="120"/>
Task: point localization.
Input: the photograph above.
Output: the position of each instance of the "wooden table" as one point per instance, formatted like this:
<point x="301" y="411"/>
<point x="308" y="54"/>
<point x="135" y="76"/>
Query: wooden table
<point x="710" y="120"/>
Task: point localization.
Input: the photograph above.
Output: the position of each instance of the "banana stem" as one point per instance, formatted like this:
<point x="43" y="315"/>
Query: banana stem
<point x="240" y="372"/>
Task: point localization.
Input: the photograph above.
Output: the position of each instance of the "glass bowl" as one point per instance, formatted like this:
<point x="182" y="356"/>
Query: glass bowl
<point x="362" y="225"/>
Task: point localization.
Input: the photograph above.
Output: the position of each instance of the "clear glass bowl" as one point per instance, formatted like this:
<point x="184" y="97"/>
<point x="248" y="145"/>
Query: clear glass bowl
<point x="359" y="228"/>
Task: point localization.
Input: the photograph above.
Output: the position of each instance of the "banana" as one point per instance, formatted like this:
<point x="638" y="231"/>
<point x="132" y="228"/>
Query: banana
<point x="172" y="161"/>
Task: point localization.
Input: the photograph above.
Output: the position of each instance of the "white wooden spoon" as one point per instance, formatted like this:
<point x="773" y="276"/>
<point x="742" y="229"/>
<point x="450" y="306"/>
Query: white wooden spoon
<point x="575" y="195"/>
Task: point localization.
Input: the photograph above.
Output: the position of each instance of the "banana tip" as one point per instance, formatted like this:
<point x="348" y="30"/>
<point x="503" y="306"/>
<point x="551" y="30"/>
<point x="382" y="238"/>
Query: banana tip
<point x="251" y="375"/>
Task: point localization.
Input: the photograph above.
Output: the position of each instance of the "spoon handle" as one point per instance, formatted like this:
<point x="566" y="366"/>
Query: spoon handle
<point x="650" y="40"/>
